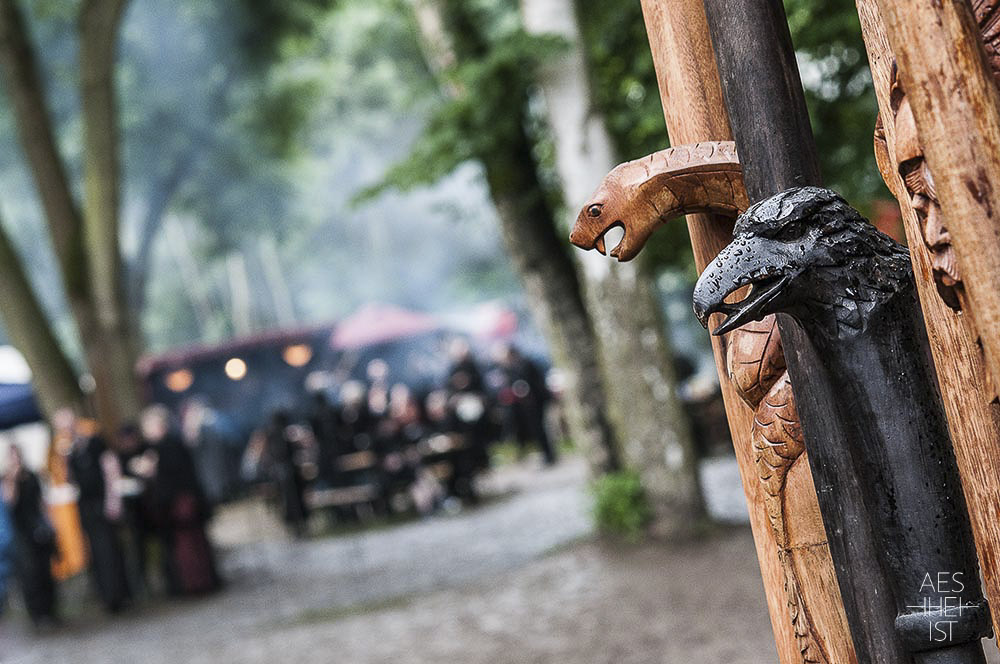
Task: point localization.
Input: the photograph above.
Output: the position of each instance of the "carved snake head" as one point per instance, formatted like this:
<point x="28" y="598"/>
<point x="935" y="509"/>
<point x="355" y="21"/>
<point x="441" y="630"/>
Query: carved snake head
<point x="804" y="252"/>
<point x="614" y="205"/>
<point x="641" y="195"/>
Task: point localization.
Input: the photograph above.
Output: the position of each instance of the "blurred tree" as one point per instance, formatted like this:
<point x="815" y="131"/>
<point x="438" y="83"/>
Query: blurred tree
<point x="87" y="236"/>
<point x="634" y="350"/>
<point x="85" y="241"/>
<point x="486" y="65"/>
<point x="30" y="332"/>
<point x="208" y="129"/>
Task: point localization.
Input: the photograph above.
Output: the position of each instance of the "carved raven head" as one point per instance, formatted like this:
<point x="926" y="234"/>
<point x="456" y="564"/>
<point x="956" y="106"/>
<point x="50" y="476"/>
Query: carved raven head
<point x="807" y="253"/>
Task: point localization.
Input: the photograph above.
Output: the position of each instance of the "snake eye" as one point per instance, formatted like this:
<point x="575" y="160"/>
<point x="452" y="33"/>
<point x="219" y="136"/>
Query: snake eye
<point x="594" y="210"/>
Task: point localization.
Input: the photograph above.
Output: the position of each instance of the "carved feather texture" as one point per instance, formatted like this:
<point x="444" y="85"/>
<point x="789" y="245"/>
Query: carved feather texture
<point x="777" y="441"/>
<point x="810" y="647"/>
<point x="754" y="359"/>
<point x="756" y="365"/>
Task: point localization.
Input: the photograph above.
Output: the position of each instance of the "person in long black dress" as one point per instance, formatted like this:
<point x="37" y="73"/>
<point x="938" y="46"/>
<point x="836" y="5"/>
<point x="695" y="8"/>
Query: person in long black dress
<point x="181" y="507"/>
<point x="528" y="395"/>
<point x="93" y="469"/>
<point x="323" y="422"/>
<point x="139" y="524"/>
<point x="35" y="540"/>
<point x="291" y="484"/>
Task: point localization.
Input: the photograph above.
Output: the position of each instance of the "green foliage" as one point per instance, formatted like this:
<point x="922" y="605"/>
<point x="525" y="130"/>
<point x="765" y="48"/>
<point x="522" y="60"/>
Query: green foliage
<point x="483" y="113"/>
<point x="840" y="95"/>
<point x="620" y="505"/>
<point x="266" y="27"/>
<point x="623" y="81"/>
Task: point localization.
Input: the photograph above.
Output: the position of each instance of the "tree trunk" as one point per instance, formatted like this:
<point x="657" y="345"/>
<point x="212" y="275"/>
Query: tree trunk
<point x="545" y="269"/>
<point x="31" y="333"/>
<point x="118" y="397"/>
<point x="634" y="350"/>
<point x="536" y="248"/>
<point x="35" y="131"/>
<point x="25" y="93"/>
<point x="86" y="246"/>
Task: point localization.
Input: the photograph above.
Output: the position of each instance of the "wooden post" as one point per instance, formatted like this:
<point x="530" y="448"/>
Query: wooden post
<point x="973" y="420"/>
<point x="956" y="107"/>
<point x="767" y="111"/>
<point x="694" y="111"/>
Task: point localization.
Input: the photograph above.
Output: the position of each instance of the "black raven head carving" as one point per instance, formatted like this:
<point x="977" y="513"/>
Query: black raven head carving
<point x="807" y="253"/>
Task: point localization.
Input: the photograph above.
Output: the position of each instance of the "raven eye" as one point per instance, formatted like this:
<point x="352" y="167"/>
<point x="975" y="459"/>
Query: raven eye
<point x="789" y="232"/>
<point x="594" y="210"/>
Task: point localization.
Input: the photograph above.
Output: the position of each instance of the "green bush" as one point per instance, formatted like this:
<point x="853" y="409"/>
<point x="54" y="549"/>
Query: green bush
<point x="620" y="505"/>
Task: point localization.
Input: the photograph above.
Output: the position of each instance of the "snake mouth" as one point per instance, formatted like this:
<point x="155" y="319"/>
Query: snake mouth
<point x="752" y="307"/>
<point x="602" y="239"/>
<point x="584" y="238"/>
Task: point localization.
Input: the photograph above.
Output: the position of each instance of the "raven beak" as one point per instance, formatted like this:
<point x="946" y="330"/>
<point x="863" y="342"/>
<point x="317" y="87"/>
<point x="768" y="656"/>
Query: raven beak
<point x="737" y="265"/>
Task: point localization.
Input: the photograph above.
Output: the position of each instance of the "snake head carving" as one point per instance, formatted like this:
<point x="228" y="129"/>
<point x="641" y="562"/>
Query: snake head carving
<point x="612" y="206"/>
<point x="639" y="196"/>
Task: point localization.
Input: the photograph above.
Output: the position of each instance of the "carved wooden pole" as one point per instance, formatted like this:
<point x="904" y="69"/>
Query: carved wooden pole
<point x="956" y="107"/>
<point x="887" y="480"/>
<point x="770" y="122"/>
<point x="808" y="622"/>
<point x="973" y="419"/>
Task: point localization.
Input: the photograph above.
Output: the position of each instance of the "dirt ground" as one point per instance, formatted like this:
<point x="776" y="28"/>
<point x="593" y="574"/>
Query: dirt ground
<point x="521" y="580"/>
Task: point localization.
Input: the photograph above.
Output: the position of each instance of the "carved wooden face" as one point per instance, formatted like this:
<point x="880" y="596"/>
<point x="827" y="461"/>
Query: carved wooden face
<point x="919" y="183"/>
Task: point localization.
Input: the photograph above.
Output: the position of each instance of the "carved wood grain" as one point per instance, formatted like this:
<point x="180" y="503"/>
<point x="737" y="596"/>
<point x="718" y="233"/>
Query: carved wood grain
<point x="974" y="421"/>
<point x="956" y="108"/>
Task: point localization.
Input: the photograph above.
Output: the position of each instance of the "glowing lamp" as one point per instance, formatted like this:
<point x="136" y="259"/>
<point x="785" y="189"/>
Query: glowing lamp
<point x="179" y="380"/>
<point x="236" y="368"/>
<point x="297" y="355"/>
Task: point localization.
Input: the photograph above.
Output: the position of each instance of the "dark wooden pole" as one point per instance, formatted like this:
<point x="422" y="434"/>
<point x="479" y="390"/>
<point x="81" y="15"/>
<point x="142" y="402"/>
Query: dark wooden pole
<point x="770" y="123"/>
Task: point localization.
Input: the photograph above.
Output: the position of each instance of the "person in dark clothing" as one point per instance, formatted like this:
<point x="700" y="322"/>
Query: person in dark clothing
<point x="94" y="470"/>
<point x="355" y="423"/>
<point x="467" y="401"/>
<point x="526" y="395"/>
<point x="138" y="517"/>
<point x="464" y="375"/>
<point x="291" y="485"/>
<point x="323" y="422"/>
<point x="397" y="435"/>
<point x="181" y="508"/>
<point x="35" y="540"/>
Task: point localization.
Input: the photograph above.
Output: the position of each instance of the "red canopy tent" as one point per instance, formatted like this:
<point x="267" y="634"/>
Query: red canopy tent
<point x="375" y="323"/>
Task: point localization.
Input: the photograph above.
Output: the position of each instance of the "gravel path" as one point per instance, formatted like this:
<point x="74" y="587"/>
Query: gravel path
<point x="516" y="581"/>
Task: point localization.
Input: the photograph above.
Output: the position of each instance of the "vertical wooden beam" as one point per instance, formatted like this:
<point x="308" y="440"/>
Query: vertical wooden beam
<point x="694" y="110"/>
<point x="973" y="420"/>
<point x="956" y="107"/>
<point x="767" y="111"/>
